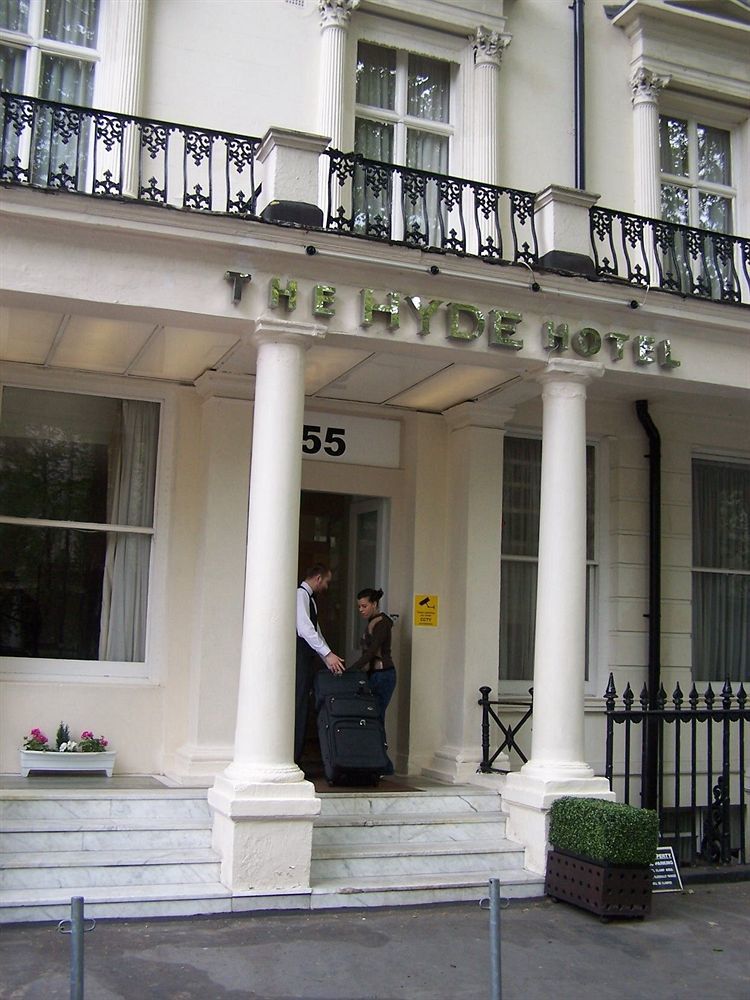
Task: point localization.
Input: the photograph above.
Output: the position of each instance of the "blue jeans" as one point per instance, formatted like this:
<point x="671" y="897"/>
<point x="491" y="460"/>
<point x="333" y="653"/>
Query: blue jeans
<point x="382" y="684"/>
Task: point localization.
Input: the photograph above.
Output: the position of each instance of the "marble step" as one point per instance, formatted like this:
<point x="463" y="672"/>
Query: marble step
<point x="429" y="858"/>
<point x="121" y="806"/>
<point x="427" y="802"/>
<point x="64" y="869"/>
<point x="20" y="837"/>
<point x="405" y="829"/>
<point x="420" y="890"/>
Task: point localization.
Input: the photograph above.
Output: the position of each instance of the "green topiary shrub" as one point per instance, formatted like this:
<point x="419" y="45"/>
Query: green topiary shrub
<point x="604" y="831"/>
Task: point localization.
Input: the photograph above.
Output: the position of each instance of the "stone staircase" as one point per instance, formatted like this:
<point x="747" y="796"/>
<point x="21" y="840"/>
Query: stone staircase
<point x="129" y="853"/>
<point x="147" y="852"/>
<point x="406" y="848"/>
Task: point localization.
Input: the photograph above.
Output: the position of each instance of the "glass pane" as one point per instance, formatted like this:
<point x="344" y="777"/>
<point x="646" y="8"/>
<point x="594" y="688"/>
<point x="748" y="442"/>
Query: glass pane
<point x="14" y="15"/>
<point x="721" y="515"/>
<point x="428" y="93"/>
<point x="721" y="625"/>
<point x="517" y="617"/>
<point x="12" y="68"/>
<point x="50" y="601"/>
<point x="673" y="146"/>
<point x="72" y="21"/>
<point x="376" y="76"/>
<point x="373" y="140"/>
<point x="70" y="81"/>
<point x="713" y="155"/>
<point x="674" y="204"/>
<point x="522" y="468"/>
<point x="67" y="457"/>
<point x="590" y="500"/>
<point x="715" y="213"/>
<point x="425" y="151"/>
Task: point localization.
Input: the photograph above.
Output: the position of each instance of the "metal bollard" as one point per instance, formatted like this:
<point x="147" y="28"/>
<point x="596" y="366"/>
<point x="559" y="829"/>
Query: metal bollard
<point x="76" y="930"/>
<point x="496" y="980"/>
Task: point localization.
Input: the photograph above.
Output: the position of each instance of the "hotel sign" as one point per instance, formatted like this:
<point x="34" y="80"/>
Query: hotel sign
<point x="463" y="321"/>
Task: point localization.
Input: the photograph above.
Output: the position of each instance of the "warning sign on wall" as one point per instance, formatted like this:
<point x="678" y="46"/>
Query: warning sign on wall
<point x="426" y="610"/>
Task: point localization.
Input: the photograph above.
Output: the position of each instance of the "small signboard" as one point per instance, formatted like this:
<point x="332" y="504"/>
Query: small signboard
<point x="426" y="610"/>
<point x="664" y="871"/>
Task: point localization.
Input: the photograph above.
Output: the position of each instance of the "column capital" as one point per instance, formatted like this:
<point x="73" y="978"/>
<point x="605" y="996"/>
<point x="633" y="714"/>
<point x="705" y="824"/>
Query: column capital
<point x="273" y="330"/>
<point x="336" y="13"/>
<point x="645" y="85"/>
<point x="489" y="46"/>
<point x="561" y="371"/>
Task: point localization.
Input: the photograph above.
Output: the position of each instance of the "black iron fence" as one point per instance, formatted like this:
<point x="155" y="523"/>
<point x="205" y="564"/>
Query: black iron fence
<point x="693" y="263"/>
<point x="521" y="706"/>
<point x="61" y="147"/>
<point x="430" y="211"/>
<point x="700" y="762"/>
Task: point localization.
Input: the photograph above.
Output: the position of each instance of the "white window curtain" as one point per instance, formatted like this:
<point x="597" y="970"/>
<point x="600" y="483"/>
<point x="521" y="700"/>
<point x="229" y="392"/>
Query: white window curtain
<point x="721" y="571"/>
<point x="131" y="502"/>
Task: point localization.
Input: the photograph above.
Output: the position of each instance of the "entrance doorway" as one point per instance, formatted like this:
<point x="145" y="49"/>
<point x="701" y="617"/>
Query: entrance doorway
<point x="349" y="534"/>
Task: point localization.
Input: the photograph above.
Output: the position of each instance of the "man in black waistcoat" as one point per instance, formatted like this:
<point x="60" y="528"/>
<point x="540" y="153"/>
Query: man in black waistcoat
<point x="310" y="644"/>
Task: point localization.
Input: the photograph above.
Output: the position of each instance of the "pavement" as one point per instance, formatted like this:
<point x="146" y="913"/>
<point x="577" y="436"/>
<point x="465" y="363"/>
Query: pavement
<point x="695" y="944"/>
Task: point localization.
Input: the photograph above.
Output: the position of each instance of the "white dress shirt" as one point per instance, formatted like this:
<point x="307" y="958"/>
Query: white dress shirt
<point x="305" y="629"/>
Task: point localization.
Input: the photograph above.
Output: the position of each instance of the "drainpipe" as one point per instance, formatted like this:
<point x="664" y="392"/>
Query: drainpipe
<point x="650" y="775"/>
<point x="579" y="81"/>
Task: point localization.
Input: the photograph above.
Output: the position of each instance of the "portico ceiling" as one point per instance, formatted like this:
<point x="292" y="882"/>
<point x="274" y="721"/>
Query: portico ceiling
<point x="56" y="341"/>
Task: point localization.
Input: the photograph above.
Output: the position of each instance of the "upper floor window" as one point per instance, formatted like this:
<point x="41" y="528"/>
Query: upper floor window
<point x="48" y="48"/>
<point x="696" y="174"/>
<point x="77" y="481"/>
<point x="403" y="108"/>
<point x="721" y="570"/>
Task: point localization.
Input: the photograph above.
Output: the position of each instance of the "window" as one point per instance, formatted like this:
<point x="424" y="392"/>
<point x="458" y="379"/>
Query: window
<point x="721" y="570"/>
<point x="522" y="469"/>
<point x="48" y="49"/>
<point x="403" y="116"/>
<point x="77" y="478"/>
<point x="696" y="175"/>
<point x="403" y="108"/>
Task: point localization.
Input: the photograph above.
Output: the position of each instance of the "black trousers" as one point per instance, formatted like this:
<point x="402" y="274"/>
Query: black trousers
<point x="305" y="670"/>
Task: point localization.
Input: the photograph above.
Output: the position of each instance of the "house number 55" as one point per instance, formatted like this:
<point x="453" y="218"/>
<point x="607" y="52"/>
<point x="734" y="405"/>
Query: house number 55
<point x="333" y="443"/>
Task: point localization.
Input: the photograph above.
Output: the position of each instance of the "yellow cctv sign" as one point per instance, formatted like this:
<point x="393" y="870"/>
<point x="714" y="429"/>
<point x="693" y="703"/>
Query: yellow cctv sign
<point x="426" y="610"/>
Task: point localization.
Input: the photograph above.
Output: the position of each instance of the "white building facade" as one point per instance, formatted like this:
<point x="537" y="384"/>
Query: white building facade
<point x="227" y="352"/>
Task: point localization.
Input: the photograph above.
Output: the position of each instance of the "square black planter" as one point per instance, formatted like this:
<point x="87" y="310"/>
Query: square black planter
<point x="604" y="889"/>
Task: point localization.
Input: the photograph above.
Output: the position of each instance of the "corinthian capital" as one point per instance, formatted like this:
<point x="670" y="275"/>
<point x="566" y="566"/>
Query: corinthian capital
<point x="646" y="85"/>
<point x="336" y="13"/>
<point x="489" y="46"/>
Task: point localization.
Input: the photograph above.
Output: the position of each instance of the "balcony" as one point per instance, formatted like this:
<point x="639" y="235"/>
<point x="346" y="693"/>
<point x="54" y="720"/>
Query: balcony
<point x="63" y="148"/>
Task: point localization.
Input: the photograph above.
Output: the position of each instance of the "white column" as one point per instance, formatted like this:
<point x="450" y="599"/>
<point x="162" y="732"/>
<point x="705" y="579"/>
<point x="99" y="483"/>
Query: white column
<point x="118" y="81"/>
<point x="488" y="51"/>
<point x="557" y="766"/>
<point x="646" y="86"/>
<point x="263" y="807"/>
<point x="335" y="16"/>
<point x="475" y="476"/>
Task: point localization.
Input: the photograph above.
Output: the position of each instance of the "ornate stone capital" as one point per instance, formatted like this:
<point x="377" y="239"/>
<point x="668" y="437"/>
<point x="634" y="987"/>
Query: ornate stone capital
<point x="336" y="13"/>
<point x="489" y="46"/>
<point x="646" y="85"/>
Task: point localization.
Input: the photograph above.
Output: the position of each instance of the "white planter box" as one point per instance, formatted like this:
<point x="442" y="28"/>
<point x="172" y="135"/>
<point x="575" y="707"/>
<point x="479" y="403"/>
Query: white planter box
<point x="43" y="760"/>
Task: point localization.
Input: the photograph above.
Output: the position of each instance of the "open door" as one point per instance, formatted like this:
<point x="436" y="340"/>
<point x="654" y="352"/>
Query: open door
<point x="368" y="557"/>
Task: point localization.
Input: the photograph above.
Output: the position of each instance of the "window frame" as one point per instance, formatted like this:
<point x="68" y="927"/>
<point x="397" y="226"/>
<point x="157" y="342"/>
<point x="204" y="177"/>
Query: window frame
<point x="720" y="458"/>
<point x="23" y="668"/>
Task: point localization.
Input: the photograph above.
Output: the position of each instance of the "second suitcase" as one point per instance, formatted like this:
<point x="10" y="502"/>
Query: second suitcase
<point x="350" y="730"/>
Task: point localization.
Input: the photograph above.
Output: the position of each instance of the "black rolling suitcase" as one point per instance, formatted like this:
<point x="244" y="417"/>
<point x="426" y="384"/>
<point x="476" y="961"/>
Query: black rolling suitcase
<point x="350" y="730"/>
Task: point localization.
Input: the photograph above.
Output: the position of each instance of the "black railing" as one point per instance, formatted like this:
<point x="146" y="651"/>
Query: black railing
<point x="434" y="212"/>
<point x="508" y="731"/>
<point x="61" y="147"/>
<point x="693" y="263"/>
<point x="701" y="750"/>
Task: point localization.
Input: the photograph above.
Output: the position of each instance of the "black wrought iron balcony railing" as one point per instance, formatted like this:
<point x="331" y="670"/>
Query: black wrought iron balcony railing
<point x="62" y="147"/>
<point x="693" y="263"/>
<point x="418" y="208"/>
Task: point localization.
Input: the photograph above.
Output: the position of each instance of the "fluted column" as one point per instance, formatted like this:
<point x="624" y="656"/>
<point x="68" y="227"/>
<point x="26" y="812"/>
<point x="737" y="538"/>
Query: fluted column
<point x="335" y="16"/>
<point x="488" y="51"/>
<point x="118" y="85"/>
<point x="557" y="765"/>
<point x="263" y="807"/>
<point x="646" y="86"/>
